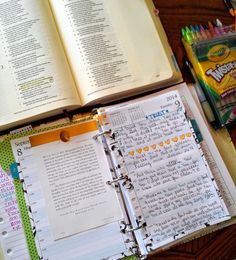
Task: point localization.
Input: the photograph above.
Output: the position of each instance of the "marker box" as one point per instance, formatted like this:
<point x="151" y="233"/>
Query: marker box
<point x="213" y="58"/>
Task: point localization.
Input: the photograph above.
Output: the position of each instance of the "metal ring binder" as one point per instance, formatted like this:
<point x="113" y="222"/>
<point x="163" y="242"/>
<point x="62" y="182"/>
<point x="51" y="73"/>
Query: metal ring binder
<point x="117" y="179"/>
<point x="130" y="241"/>
<point x="134" y="229"/>
<point x="142" y="257"/>
<point x="149" y="247"/>
<point x="95" y="137"/>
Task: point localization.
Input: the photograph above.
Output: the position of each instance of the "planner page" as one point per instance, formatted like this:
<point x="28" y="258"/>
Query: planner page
<point x="99" y="241"/>
<point x="154" y="144"/>
<point x="74" y="174"/>
<point x="12" y="237"/>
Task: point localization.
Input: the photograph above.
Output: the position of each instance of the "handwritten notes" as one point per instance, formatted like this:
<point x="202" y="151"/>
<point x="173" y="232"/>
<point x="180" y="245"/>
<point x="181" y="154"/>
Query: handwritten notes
<point x="12" y="233"/>
<point x="10" y="204"/>
<point x="171" y="179"/>
<point x="74" y="176"/>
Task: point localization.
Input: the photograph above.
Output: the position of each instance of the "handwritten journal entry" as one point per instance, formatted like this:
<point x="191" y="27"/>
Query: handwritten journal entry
<point x="172" y="181"/>
<point x="12" y="237"/>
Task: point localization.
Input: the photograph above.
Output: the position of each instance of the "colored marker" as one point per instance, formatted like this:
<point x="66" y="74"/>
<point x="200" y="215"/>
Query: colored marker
<point x="189" y="34"/>
<point x="197" y="32"/>
<point x="233" y="3"/>
<point x="183" y="33"/>
<point x="194" y="33"/>
<point x="219" y="23"/>
<point x="203" y="32"/>
<point x="217" y="31"/>
<point x="200" y="32"/>
<point x="208" y="34"/>
<point x="197" y="28"/>
<point x="186" y="36"/>
<point x="201" y="96"/>
<point x="230" y="7"/>
<point x="211" y="29"/>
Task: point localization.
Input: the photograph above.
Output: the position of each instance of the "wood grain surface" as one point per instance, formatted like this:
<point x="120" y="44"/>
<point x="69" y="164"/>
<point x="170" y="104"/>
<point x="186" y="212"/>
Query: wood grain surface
<point x="175" y="14"/>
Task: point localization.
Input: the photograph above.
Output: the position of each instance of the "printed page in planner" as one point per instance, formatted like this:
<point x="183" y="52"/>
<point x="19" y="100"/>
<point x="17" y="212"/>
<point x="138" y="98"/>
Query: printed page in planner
<point x="73" y="170"/>
<point x="103" y="241"/>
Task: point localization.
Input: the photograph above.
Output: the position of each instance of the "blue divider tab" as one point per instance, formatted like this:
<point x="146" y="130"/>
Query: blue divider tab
<point x="14" y="171"/>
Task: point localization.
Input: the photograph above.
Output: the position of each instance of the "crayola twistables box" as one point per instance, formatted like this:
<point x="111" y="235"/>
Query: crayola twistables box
<point x="214" y="61"/>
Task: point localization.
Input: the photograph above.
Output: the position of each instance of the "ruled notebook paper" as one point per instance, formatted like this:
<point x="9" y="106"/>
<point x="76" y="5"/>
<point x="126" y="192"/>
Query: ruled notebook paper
<point x="12" y="237"/>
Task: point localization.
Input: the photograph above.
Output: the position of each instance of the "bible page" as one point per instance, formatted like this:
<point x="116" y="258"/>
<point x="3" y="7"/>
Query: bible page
<point x="174" y="190"/>
<point x="34" y="73"/>
<point x="110" y="46"/>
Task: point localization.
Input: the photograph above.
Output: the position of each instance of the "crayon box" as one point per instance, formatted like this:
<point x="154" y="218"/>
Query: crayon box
<point x="213" y="57"/>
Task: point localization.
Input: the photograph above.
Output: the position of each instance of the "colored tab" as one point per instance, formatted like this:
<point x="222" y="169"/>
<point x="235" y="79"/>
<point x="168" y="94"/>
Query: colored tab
<point x="196" y="130"/>
<point x="14" y="171"/>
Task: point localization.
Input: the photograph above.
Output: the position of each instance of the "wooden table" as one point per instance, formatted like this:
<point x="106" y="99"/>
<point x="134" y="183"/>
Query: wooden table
<point x="175" y="14"/>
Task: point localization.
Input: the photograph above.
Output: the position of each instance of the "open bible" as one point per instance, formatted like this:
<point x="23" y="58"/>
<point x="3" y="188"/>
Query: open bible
<point x="138" y="178"/>
<point x="58" y="55"/>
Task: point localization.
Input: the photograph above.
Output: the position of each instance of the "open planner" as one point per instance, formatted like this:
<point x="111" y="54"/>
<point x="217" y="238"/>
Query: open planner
<point x="136" y="178"/>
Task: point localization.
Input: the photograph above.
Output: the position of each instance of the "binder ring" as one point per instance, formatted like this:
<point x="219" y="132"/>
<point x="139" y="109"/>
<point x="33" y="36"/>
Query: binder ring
<point x="95" y="137"/>
<point x="137" y="228"/>
<point x="117" y="179"/>
<point x="142" y="257"/>
<point x="130" y="241"/>
<point x="149" y="247"/>
<point x="133" y="229"/>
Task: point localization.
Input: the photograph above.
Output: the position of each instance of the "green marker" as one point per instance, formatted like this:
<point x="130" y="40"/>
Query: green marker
<point x="183" y="33"/>
<point x="188" y="35"/>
